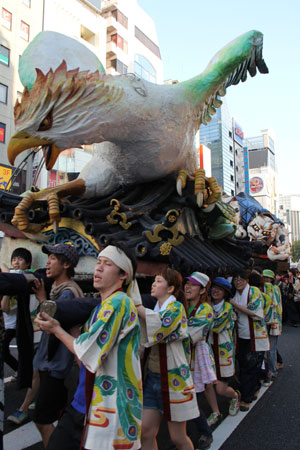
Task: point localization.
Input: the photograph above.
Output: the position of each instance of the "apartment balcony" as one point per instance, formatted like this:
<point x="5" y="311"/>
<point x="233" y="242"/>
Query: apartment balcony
<point x="108" y="5"/>
<point x="116" y="67"/>
<point x="116" y="46"/>
<point x="111" y="71"/>
<point x="111" y="24"/>
<point x="111" y="49"/>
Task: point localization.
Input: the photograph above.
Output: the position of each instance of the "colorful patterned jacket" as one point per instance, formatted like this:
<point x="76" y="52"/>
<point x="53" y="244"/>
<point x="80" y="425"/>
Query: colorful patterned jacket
<point x="257" y="326"/>
<point x="274" y="318"/>
<point x="109" y="348"/>
<point x="199" y="324"/>
<point x="220" y="337"/>
<point x="278" y="308"/>
<point x="168" y="329"/>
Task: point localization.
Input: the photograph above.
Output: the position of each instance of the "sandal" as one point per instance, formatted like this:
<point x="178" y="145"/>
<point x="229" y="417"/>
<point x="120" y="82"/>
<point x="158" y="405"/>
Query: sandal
<point x="244" y="406"/>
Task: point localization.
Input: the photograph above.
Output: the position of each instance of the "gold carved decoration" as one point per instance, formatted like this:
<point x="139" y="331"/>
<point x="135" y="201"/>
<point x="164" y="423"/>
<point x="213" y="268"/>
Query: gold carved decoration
<point x="172" y="215"/>
<point x="165" y="248"/>
<point x="76" y="225"/>
<point x="112" y="216"/>
<point x="154" y="236"/>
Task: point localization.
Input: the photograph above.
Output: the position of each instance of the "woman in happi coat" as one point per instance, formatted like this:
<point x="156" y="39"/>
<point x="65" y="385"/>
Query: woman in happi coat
<point x="168" y="387"/>
<point x="200" y="315"/>
<point x="221" y="340"/>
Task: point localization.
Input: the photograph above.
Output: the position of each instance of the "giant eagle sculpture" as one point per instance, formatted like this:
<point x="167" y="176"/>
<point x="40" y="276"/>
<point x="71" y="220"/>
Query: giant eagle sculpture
<point x="144" y="131"/>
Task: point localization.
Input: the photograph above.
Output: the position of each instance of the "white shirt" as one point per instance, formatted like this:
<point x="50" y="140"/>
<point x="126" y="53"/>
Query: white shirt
<point x="218" y="306"/>
<point x="158" y="308"/>
<point x="10" y="319"/>
<point x="242" y="319"/>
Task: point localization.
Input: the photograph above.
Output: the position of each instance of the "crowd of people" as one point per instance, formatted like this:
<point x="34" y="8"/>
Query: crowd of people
<point x="140" y="358"/>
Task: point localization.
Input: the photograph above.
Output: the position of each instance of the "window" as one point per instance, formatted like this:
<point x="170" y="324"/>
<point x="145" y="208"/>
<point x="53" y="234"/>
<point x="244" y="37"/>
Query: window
<point x="6" y="18"/>
<point x="120" y="42"/>
<point x="230" y="134"/>
<point x="144" y="69"/>
<point x="4" y="55"/>
<point x="120" y="17"/>
<point x="271" y="144"/>
<point x="147" y="42"/>
<point x="27" y="3"/>
<point x="2" y="132"/>
<point x="231" y="178"/>
<point x="24" y="30"/>
<point x="87" y="35"/>
<point x="232" y="192"/>
<point x="231" y="163"/>
<point x="119" y="66"/>
<point x="3" y="93"/>
<point x="230" y="148"/>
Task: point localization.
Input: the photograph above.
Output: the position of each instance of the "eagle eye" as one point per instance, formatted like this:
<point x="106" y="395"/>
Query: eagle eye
<point x="46" y="123"/>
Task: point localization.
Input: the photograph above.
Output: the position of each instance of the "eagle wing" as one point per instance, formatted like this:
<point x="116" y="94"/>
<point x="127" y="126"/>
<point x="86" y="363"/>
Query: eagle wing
<point x="228" y="67"/>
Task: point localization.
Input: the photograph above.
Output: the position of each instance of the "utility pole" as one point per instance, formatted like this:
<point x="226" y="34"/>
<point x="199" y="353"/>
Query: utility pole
<point x="29" y="170"/>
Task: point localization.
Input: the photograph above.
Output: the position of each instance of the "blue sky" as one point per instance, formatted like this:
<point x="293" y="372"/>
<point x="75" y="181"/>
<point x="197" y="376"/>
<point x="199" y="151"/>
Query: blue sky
<point x="190" y="33"/>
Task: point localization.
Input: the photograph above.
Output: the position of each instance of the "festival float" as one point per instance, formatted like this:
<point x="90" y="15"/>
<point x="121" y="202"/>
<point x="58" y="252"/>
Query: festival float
<point x="142" y="186"/>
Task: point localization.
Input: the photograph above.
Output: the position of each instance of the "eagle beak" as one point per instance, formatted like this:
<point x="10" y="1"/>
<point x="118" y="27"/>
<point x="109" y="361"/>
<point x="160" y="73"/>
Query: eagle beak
<point x="21" y="141"/>
<point x="51" y="153"/>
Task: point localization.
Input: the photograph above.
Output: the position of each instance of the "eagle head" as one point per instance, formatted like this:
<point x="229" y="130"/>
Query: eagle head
<point x="62" y="110"/>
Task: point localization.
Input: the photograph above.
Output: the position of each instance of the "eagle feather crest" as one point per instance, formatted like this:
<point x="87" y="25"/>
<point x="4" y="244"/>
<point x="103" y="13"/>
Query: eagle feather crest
<point x="61" y="91"/>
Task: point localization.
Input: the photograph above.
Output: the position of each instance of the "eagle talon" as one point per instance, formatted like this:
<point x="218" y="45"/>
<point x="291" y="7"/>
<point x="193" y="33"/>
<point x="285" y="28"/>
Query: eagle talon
<point x="53" y="203"/>
<point x="207" y="191"/>
<point x="32" y="200"/>
<point x="216" y="192"/>
<point x="200" y="186"/>
<point x="20" y="219"/>
<point x="200" y="199"/>
<point x="181" y="181"/>
<point x="179" y="187"/>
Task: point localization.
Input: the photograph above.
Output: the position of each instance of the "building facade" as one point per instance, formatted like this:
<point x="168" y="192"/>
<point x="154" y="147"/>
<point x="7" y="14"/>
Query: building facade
<point x="289" y="213"/>
<point x="262" y="169"/>
<point x="119" y="32"/>
<point x="225" y="138"/>
<point x="132" y="43"/>
<point x="240" y="159"/>
<point x="21" y="21"/>
<point x="203" y="156"/>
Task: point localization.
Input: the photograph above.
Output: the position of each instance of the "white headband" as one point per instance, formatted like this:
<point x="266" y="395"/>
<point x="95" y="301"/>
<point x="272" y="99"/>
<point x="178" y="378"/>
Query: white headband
<point x="119" y="258"/>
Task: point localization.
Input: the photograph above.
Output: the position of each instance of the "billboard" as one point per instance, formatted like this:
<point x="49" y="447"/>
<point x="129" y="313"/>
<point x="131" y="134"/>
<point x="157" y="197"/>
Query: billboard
<point x="246" y="170"/>
<point x="5" y="175"/>
<point x="256" y="185"/>
<point x="2" y="132"/>
<point x="238" y="134"/>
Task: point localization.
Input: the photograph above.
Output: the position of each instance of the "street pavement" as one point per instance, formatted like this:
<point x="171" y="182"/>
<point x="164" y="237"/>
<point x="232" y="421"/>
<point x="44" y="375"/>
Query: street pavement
<point x="272" y="423"/>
